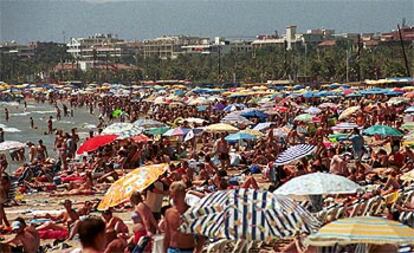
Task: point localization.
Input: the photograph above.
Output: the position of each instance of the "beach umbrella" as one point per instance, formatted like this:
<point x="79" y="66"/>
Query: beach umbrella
<point x="345" y="126"/>
<point x="253" y="132"/>
<point x="348" y="112"/>
<point x="281" y="131"/>
<point x="234" y="107"/>
<point x="137" y="180"/>
<point x="409" y="94"/>
<point x="148" y="123"/>
<point x="253" y="113"/>
<point x="280" y="108"/>
<point x="382" y="130"/>
<point x="398" y="100"/>
<point x="236" y="137"/>
<point x="123" y="130"/>
<point x="328" y="105"/>
<point x="294" y="153"/>
<point x="156" y="131"/>
<point x="235" y="119"/>
<point x="313" y="110"/>
<point x="362" y="230"/>
<point x="193" y="120"/>
<point x="318" y="184"/>
<point x="9" y="145"/>
<point x="409" y="109"/>
<point x="407" y="126"/>
<point x="141" y="138"/>
<point x="96" y="142"/>
<point x="304" y="117"/>
<point x="262" y="126"/>
<point x="220" y="127"/>
<point x="179" y="131"/>
<point x="247" y="214"/>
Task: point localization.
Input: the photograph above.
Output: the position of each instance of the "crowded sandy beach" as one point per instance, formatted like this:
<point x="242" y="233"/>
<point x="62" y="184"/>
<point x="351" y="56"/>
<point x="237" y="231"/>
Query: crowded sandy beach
<point x="183" y="168"/>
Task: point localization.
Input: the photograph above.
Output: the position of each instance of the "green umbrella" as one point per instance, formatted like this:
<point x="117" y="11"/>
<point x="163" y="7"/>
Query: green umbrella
<point x="304" y="118"/>
<point x="117" y="113"/>
<point x="156" y="131"/>
<point x="382" y="130"/>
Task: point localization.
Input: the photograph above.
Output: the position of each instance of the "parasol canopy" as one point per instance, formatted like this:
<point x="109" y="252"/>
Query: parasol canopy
<point x="249" y="215"/>
<point x="294" y="153"/>
<point x="220" y="127"/>
<point x="348" y="112"/>
<point x="382" y="130"/>
<point x="239" y="137"/>
<point x="148" y="123"/>
<point x="136" y="180"/>
<point x="96" y="142"/>
<point x="318" y="184"/>
<point x="9" y="145"/>
<point x="123" y="130"/>
<point x="360" y="230"/>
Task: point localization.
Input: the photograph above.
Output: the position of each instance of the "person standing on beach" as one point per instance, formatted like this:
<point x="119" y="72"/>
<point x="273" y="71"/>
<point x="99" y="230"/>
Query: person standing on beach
<point x="58" y="113"/>
<point x="176" y="241"/>
<point x="6" y="114"/>
<point x="41" y="152"/>
<point x="50" y="125"/>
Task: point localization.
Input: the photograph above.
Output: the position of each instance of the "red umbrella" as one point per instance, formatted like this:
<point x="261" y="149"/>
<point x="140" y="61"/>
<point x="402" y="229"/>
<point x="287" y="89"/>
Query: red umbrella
<point x="280" y="108"/>
<point x="141" y="138"/>
<point x="96" y="142"/>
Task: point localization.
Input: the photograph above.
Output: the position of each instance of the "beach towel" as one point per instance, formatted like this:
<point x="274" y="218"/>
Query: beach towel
<point x="53" y="234"/>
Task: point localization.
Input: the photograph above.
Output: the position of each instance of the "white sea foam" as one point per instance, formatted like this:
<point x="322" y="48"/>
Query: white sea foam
<point x="9" y="103"/>
<point x="20" y="114"/>
<point x="43" y="112"/>
<point x="11" y="130"/>
<point x="88" y="126"/>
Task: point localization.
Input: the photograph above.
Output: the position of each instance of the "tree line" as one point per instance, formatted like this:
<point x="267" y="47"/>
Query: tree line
<point x="340" y="63"/>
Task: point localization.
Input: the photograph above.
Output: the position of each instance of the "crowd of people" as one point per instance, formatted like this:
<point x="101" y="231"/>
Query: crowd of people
<point x="204" y="164"/>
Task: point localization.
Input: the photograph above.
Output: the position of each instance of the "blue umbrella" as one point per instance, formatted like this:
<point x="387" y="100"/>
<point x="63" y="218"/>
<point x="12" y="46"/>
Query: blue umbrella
<point x="234" y="107"/>
<point x="253" y="114"/>
<point x="239" y="137"/>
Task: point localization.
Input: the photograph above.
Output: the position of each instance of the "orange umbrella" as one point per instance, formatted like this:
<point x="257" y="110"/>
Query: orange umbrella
<point x="137" y="180"/>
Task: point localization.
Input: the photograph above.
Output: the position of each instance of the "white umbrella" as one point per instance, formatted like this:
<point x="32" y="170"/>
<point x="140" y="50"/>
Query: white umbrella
<point x="318" y="184"/>
<point x="9" y="145"/>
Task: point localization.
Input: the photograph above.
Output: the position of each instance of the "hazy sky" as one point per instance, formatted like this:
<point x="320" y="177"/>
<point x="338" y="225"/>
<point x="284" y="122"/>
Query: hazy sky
<point x="45" y="20"/>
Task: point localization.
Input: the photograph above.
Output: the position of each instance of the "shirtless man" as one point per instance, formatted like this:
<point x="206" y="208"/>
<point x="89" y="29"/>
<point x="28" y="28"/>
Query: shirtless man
<point x="68" y="217"/>
<point x="222" y="150"/>
<point x="175" y="241"/>
<point x="26" y="240"/>
<point x="32" y="151"/>
<point x="41" y="151"/>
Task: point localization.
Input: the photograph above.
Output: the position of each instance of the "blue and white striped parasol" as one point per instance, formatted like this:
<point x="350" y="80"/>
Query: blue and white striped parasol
<point x="294" y="153"/>
<point x="247" y="214"/>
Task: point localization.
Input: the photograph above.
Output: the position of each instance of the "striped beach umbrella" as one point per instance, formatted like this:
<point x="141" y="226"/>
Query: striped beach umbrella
<point x="148" y="123"/>
<point x="247" y="214"/>
<point x="179" y="131"/>
<point x="294" y="153"/>
<point x="360" y="230"/>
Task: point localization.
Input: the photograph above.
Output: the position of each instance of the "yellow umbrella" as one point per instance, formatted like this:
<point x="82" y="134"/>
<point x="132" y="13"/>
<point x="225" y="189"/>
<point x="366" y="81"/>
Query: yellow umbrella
<point x="221" y="127"/>
<point x="136" y="180"/>
<point x="360" y="230"/>
<point x="348" y="112"/>
<point x="256" y="133"/>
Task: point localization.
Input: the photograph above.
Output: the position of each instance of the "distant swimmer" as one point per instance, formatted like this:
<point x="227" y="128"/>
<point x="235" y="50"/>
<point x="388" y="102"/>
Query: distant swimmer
<point x="58" y="113"/>
<point x="32" y="125"/>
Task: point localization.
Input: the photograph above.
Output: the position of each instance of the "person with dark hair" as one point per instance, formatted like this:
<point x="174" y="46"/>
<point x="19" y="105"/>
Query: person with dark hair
<point x="92" y="235"/>
<point x="26" y="239"/>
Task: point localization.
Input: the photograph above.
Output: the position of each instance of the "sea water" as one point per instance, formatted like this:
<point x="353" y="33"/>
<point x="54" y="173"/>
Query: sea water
<point x="18" y="127"/>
